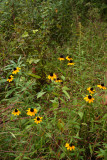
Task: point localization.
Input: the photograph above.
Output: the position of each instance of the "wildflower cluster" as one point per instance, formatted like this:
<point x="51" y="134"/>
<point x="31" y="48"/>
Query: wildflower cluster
<point x="70" y="146"/>
<point x="30" y="112"/>
<point x="62" y="58"/>
<point x="101" y="86"/>
<point x="53" y="77"/>
<point x="15" y="71"/>
<point x="91" y="90"/>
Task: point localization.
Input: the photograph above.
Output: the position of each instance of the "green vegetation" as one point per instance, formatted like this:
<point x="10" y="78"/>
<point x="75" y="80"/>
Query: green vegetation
<point x="33" y="36"/>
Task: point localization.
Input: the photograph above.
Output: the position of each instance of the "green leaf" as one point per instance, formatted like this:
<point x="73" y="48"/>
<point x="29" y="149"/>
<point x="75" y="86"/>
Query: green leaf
<point x="90" y="147"/>
<point x="36" y="61"/>
<point x="80" y="114"/>
<point x="63" y="78"/>
<point x="26" y="158"/>
<point x="65" y="92"/>
<point x="54" y="93"/>
<point x="12" y="135"/>
<point x="28" y="126"/>
<point x="55" y="100"/>
<point x="84" y="124"/>
<point x="33" y="75"/>
<point x="34" y="31"/>
<point x="32" y="60"/>
<point x="76" y="137"/>
<point x="65" y="88"/>
<point x="48" y="135"/>
<point x="25" y="34"/>
<point x="40" y="94"/>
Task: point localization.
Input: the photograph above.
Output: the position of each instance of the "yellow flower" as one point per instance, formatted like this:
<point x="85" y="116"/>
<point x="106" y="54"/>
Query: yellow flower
<point x="69" y="58"/>
<point x="52" y="76"/>
<point x="69" y="146"/>
<point x="31" y="111"/>
<point x="89" y="98"/>
<point x="91" y="90"/>
<point x="58" y="80"/>
<point x="71" y="62"/>
<point x="38" y="119"/>
<point x="101" y="86"/>
<point x="61" y="58"/>
<point x="16" y="70"/>
<point x="16" y="112"/>
<point x="10" y="78"/>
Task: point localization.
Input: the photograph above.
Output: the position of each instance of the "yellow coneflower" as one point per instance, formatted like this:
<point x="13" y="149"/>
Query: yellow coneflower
<point x="67" y="146"/>
<point x="10" y="78"/>
<point x="61" y="58"/>
<point x="52" y="76"/>
<point x="101" y="86"/>
<point x="16" y="70"/>
<point x="31" y="111"/>
<point x="58" y="80"/>
<point x="91" y="90"/>
<point x="71" y="62"/>
<point x="69" y="58"/>
<point x="38" y="119"/>
<point x="71" y="147"/>
<point x="16" y="112"/>
<point x="89" y="98"/>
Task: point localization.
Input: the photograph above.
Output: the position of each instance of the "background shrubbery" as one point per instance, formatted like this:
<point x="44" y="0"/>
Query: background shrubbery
<point x="33" y="34"/>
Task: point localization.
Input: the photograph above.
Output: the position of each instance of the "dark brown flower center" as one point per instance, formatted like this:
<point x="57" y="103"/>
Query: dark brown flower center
<point x="32" y="110"/>
<point x="91" y="89"/>
<point x="71" y="61"/>
<point x="16" y="110"/>
<point x="69" y="56"/>
<point x="58" y="79"/>
<point x="38" y="118"/>
<point x="61" y="56"/>
<point x="14" y="69"/>
<point x="102" y="84"/>
<point x="89" y="97"/>
<point x="9" y="77"/>
<point x="51" y="74"/>
<point x="70" y="144"/>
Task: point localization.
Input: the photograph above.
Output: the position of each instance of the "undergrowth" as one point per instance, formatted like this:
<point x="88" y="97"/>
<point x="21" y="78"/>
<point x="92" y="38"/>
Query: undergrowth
<point x="65" y="115"/>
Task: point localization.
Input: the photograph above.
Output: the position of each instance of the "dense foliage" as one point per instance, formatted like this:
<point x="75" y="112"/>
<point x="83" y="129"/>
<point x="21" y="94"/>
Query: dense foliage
<point x="36" y="36"/>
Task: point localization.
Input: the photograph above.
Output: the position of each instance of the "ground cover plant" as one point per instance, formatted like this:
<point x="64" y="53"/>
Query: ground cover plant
<point x="53" y="91"/>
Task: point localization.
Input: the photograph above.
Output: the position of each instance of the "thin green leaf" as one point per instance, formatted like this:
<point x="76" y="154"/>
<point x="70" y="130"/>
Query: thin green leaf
<point x="65" y="92"/>
<point x="40" y="94"/>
